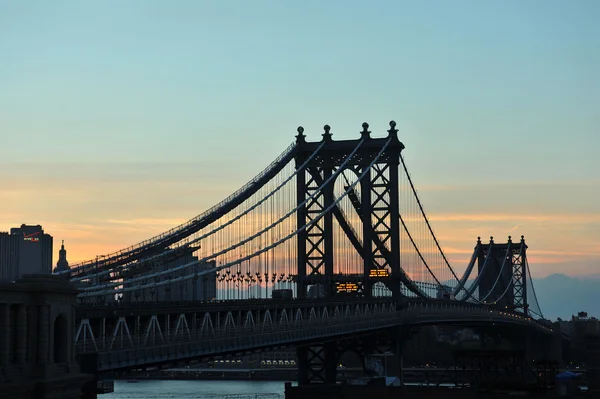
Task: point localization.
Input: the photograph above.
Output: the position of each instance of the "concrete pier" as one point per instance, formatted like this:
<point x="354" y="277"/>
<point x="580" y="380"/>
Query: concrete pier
<point x="37" y="356"/>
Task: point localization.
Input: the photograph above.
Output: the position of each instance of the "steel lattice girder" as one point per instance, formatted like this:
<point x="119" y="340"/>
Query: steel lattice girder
<point x="379" y="192"/>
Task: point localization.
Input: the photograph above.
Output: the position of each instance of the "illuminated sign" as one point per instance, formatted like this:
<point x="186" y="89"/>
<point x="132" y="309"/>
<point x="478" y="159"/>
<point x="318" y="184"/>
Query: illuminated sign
<point x="30" y="237"/>
<point x="378" y="273"/>
<point x="346" y="287"/>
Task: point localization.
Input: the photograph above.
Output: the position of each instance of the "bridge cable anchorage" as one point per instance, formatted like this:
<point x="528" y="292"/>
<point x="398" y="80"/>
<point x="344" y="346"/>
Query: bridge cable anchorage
<point x="426" y="219"/>
<point x="194" y="224"/>
<point x="247" y="257"/>
<point x="218" y="228"/>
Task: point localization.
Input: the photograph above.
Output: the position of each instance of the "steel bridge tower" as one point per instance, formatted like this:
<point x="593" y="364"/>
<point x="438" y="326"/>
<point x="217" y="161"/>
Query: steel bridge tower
<point x="503" y="270"/>
<point x="377" y="201"/>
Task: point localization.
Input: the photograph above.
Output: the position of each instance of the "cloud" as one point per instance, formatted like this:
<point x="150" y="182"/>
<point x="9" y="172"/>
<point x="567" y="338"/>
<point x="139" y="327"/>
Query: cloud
<point x="501" y="217"/>
<point x="510" y="185"/>
<point x="101" y="208"/>
<point x="144" y="222"/>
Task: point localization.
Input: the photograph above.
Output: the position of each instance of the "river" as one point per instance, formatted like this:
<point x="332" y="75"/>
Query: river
<point x="160" y="389"/>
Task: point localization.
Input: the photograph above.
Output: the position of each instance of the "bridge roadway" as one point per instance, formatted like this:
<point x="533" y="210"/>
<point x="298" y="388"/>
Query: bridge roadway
<point x="146" y="335"/>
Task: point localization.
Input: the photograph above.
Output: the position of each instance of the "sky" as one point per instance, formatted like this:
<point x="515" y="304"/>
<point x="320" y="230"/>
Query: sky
<point x="120" y="120"/>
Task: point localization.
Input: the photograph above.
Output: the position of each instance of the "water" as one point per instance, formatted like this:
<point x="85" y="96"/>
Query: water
<point x="157" y="389"/>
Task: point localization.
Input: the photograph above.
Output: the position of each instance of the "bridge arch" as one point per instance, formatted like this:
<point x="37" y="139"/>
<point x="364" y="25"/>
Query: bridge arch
<point x="347" y="224"/>
<point x="61" y="339"/>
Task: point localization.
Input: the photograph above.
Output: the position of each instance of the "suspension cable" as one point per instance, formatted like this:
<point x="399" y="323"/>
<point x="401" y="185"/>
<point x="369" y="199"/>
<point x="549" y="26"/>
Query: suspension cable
<point x="468" y="271"/>
<point x="508" y="254"/>
<point x="246" y="240"/>
<point x="247" y="257"/>
<point x="475" y="284"/>
<point x="533" y="289"/>
<point x="220" y="227"/>
<point x="425" y="217"/>
<point x="283" y="158"/>
<point x="419" y="253"/>
<point x="412" y="286"/>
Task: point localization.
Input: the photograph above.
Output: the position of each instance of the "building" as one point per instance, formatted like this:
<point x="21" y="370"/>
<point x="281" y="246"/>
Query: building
<point x="62" y="264"/>
<point x="586" y="342"/>
<point x="198" y="288"/>
<point x="25" y="250"/>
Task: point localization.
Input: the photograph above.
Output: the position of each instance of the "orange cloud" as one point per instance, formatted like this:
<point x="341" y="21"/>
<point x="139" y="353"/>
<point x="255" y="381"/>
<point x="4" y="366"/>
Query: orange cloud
<point x="99" y="209"/>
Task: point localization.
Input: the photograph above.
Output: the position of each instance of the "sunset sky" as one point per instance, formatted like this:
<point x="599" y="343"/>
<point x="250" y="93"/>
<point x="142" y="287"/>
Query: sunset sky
<point x="119" y="120"/>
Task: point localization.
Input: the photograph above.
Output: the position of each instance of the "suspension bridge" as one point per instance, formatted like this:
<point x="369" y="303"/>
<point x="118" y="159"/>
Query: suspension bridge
<point x="335" y="225"/>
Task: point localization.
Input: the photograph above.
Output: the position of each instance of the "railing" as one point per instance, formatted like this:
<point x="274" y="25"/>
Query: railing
<point x="133" y="353"/>
<point x="261" y="334"/>
<point x="257" y="331"/>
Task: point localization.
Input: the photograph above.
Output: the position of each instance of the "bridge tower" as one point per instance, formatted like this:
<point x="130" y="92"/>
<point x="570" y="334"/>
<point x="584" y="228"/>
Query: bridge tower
<point x="377" y="200"/>
<point x="377" y="203"/>
<point x="503" y="271"/>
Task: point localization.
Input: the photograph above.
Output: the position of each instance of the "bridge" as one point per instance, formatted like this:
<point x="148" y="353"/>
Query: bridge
<point x="326" y="249"/>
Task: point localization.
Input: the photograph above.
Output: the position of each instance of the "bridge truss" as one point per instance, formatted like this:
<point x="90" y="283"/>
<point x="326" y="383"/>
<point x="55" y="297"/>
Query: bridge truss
<point x="135" y="335"/>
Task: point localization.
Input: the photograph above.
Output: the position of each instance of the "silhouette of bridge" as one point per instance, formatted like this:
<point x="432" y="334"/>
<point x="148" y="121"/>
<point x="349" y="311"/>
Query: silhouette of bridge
<point x="339" y="228"/>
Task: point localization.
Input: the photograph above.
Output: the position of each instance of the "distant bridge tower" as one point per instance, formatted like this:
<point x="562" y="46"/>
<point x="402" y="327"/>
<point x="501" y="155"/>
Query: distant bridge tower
<point x="503" y="272"/>
<point x="379" y="207"/>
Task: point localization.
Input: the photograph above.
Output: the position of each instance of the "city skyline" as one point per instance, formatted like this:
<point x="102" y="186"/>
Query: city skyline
<point x="111" y="136"/>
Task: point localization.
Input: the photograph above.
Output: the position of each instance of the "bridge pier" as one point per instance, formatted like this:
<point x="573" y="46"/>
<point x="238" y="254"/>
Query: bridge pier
<point x="317" y="364"/>
<point x="37" y="356"/>
<point x="399" y="356"/>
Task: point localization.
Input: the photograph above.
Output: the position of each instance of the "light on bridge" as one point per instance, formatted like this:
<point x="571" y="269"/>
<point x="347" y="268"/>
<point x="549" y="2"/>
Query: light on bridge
<point x="373" y="273"/>
<point x="346" y="287"/>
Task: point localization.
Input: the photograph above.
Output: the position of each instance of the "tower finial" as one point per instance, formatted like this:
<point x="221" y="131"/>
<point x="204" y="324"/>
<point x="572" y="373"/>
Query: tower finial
<point x="393" y="132"/>
<point x="327" y="135"/>
<point x="365" y="134"/>
<point x="300" y="138"/>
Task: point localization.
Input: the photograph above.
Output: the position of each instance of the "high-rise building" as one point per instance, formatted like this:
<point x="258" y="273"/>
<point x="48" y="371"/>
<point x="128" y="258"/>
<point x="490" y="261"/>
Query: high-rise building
<point x="25" y="250"/>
